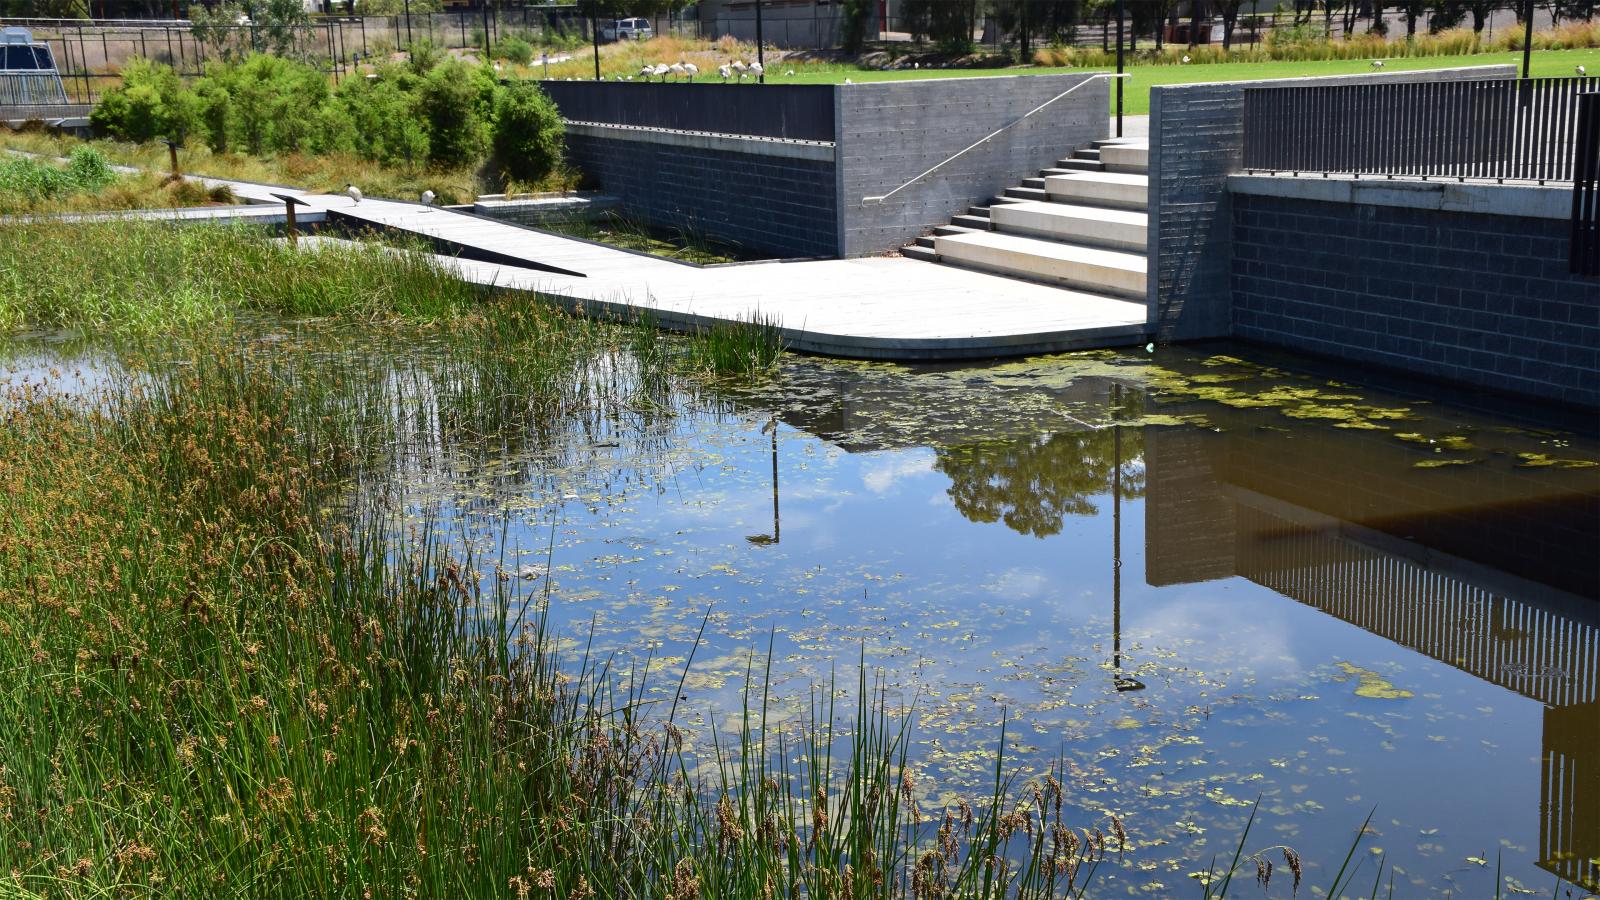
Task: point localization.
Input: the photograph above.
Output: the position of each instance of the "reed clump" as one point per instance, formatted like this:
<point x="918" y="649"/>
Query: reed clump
<point x="231" y="674"/>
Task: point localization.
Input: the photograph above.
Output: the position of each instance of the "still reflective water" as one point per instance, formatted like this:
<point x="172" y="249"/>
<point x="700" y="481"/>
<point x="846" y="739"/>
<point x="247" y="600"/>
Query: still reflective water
<point x="1195" y="578"/>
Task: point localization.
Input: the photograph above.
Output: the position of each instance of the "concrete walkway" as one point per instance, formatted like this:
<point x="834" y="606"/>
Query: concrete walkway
<point x="875" y="308"/>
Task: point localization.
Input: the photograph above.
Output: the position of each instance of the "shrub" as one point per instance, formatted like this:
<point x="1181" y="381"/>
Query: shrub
<point x="517" y="50"/>
<point x="527" y="132"/>
<point x="151" y="103"/>
<point x="264" y="104"/>
<point x="88" y="169"/>
<point x="449" y="102"/>
<point x="423" y="56"/>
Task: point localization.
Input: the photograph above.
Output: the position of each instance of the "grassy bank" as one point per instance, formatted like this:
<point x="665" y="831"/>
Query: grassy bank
<point x="86" y="181"/>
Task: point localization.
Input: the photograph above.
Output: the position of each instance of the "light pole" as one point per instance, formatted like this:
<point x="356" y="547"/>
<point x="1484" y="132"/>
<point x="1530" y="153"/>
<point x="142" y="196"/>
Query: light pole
<point x="761" y="48"/>
<point x="1527" y="36"/>
<point x="1120" y="66"/>
<point x="594" y="35"/>
<point x="409" y="39"/>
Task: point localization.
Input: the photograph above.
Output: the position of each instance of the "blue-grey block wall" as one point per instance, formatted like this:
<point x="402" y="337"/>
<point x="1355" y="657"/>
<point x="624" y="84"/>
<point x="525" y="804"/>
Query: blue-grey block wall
<point x="761" y="197"/>
<point x="1471" y="297"/>
<point x="1196" y="142"/>
<point x="890" y="132"/>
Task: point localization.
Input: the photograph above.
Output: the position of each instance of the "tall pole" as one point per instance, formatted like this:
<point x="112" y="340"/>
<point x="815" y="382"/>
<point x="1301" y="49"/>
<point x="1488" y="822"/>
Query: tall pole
<point x="1120" y="66"/>
<point x="1527" y="36"/>
<point x="409" y="39"/>
<point x="761" y="48"/>
<point x="488" y="50"/>
<point x="594" y="35"/>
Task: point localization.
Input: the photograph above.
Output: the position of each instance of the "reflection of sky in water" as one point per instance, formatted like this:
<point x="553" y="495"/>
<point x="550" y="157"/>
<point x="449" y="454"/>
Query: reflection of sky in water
<point x="956" y="528"/>
<point x="1249" y="693"/>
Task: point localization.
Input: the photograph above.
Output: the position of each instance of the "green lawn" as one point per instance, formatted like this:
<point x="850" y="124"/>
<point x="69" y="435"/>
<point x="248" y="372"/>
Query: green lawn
<point x="1137" y="99"/>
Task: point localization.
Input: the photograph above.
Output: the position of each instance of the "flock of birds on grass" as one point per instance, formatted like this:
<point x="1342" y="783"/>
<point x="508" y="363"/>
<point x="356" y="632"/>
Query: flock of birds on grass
<point x="735" y="71"/>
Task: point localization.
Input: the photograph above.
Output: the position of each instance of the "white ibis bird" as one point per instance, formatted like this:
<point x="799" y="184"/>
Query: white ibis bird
<point x="1582" y="71"/>
<point x="661" y="71"/>
<point x="1377" y="64"/>
<point x="647" y="71"/>
<point x="354" y="192"/>
<point x="1186" y="57"/>
<point x="677" y="70"/>
<point x="691" y="70"/>
<point x="427" y="198"/>
<point x="789" y="74"/>
<point x="848" y="81"/>
<point x="725" y="70"/>
<point x="757" y="70"/>
<point x="739" y="68"/>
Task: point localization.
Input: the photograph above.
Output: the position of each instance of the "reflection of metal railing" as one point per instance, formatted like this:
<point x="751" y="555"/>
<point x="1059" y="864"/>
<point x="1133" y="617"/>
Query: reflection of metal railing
<point x="1535" y="652"/>
<point x="1503" y="129"/>
<point x="1586" y="188"/>
<point x="987" y="138"/>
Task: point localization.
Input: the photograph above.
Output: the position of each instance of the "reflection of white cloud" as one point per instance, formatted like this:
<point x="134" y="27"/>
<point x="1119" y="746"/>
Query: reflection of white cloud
<point x="1259" y="642"/>
<point x="1020" y="584"/>
<point x="880" y="472"/>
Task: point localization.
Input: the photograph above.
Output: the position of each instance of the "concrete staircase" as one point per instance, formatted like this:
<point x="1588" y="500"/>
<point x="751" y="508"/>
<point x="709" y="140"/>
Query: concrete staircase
<point x="1080" y="224"/>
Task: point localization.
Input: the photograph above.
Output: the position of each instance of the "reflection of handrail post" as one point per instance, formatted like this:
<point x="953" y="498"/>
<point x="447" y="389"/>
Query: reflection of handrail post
<point x="1119" y="681"/>
<point x="986" y="138"/>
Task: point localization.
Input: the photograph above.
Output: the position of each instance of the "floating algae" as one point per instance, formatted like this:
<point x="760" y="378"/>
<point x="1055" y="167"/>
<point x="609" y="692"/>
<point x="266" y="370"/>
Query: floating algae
<point x="1372" y="685"/>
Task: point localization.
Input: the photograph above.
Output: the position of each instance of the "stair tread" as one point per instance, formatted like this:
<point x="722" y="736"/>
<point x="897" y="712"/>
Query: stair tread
<point x="1055" y="250"/>
<point x="1138" y="179"/>
<point x="922" y="253"/>
<point x="1088" y="213"/>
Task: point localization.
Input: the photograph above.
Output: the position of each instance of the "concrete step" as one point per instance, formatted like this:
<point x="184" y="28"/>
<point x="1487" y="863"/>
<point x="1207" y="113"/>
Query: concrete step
<point x="1027" y="193"/>
<point x="975" y="223"/>
<point x="1078" y="165"/>
<point x="925" y="241"/>
<point x="1117" y="229"/>
<point x="1114" y="189"/>
<point x="1086" y="153"/>
<point x="956" y="229"/>
<point x="1033" y="183"/>
<point x="923" y="253"/>
<point x="978" y="211"/>
<point x="1126" y="157"/>
<point x="1106" y="272"/>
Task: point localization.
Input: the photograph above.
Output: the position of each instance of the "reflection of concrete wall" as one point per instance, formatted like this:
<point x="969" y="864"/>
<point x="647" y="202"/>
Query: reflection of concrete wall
<point x="1189" y="523"/>
<point x="1569" y="821"/>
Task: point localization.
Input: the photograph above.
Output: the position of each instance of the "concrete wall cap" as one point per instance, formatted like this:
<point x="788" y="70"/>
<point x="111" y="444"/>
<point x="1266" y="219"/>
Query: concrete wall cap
<point x="1519" y="200"/>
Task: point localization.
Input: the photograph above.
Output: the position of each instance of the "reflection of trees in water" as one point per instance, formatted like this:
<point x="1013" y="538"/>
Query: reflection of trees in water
<point x="1032" y="484"/>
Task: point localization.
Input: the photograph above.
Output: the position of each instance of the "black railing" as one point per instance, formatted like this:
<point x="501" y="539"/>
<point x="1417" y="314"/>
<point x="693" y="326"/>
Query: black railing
<point x="802" y="112"/>
<point x="1502" y="129"/>
<point x="1586" y="188"/>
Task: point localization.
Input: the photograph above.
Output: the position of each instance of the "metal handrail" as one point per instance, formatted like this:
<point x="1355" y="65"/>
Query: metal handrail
<point x="988" y="137"/>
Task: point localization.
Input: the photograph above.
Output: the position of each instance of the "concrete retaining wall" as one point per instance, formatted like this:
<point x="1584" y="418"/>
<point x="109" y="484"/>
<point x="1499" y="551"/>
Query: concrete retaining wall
<point x="1467" y="283"/>
<point x="771" y="196"/>
<point x="1196" y="142"/>
<point x="889" y="132"/>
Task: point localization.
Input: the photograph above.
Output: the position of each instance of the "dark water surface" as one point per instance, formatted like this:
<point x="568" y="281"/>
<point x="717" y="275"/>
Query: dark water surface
<point x="1194" y="578"/>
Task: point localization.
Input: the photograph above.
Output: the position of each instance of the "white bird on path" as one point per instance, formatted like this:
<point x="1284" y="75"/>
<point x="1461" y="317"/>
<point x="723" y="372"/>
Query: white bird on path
<point x="1377" y="64"/>
<point x="354" y="192"/>
<point x="691" y="70"/>
<point x="427" y="198"/>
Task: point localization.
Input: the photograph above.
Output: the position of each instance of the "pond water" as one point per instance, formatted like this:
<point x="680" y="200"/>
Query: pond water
<point x="1192" y="578"/>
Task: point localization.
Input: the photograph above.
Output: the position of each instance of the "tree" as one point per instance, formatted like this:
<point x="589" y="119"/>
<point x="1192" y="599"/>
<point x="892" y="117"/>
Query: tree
<point x="449" y="102"/>
<point x="1230" y="20"/>
<point x="527" y="132"/>
<point x="854" y="27"/>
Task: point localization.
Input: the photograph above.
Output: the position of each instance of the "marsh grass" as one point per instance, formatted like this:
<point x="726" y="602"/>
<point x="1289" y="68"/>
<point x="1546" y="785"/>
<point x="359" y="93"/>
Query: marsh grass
<point x="745" y="348"/>
<point x="233" y="669"/>
<point x="684" y="244"/>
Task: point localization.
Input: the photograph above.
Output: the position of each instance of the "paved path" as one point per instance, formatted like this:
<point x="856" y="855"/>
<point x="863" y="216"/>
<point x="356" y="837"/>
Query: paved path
<point x="877" y="307"/>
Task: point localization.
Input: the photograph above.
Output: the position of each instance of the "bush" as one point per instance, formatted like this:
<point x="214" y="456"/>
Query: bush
<point x="265" y="104"/>
<point x="25" y="181"/>
<point x="449" y="101"/>
<point x="151" y="103"/>
<point x="527" y="132"/>
<point x="516" y="50"/>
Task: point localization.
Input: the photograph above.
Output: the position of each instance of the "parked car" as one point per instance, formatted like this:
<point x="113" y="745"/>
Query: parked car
<point x="627" y="30"/>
